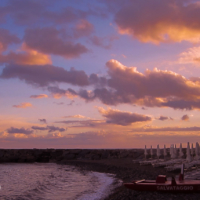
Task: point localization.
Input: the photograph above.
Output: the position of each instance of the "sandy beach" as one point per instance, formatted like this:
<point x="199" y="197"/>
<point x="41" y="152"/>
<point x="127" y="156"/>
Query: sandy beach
<point x="125" y="170"/>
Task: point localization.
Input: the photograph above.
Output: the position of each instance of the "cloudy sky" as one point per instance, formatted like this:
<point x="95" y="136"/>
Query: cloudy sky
<point x="99" y="74"/>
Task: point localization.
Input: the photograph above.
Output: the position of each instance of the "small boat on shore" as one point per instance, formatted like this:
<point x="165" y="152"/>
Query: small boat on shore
<point x="161" y="184"/>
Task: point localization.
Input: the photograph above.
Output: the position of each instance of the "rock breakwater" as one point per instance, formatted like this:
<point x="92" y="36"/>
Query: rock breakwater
<point x="61" y="155"/>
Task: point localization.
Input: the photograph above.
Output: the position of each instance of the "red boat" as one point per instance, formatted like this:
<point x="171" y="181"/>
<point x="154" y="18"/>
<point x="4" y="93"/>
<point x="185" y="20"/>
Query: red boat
<point x="161" y="184"/>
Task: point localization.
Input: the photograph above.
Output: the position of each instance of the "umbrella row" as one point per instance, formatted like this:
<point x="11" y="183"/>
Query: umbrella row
<point x="191" y="152"/>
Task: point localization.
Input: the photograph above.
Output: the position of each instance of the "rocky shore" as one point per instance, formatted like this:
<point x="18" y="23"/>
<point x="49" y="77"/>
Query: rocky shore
<point x="61" y="155"/>
<point x="126" y="170"/>
<point x="118" y="162"/>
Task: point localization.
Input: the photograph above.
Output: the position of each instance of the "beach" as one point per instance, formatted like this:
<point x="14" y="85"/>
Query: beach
<point x="117" y="162"/>
<point x="126" y="171"/>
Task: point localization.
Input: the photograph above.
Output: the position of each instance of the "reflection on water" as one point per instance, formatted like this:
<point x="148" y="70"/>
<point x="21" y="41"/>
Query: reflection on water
<point x="51" y="182"/>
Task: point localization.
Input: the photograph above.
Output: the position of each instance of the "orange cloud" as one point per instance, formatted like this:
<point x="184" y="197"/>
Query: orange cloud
<point x="83" y="28"/>
<point x="173" y="21"/>
<point x="23" y="105"/>
<point x="39" y="96"/>
<point x="67" y="94"/>
<point x="76" y="116"/>
<point x="58" y="93"/>
<point x="192" y="55"/>
<point x="157" y="84"/>
<point x="26" y="56"/>
<point x="185" y="118"/>
<point x="153" y="88"/>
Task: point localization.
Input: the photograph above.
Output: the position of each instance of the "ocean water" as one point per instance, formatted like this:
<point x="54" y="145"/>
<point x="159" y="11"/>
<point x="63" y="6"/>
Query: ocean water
<point x="49" y="181"/>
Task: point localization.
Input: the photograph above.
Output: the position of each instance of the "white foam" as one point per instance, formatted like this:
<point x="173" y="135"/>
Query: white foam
<point x="102" y="188"/>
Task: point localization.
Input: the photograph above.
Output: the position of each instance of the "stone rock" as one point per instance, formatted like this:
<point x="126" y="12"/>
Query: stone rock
<point x="69" y="156"/>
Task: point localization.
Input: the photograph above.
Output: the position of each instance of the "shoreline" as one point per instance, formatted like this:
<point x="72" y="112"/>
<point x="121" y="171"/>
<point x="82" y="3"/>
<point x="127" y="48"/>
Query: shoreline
<point x="126" y="170"/>
<point x="118" y="162"/>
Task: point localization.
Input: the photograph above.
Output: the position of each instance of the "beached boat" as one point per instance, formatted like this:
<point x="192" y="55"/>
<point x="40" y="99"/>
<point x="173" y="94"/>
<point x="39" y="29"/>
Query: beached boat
<point x="161" y="184"/>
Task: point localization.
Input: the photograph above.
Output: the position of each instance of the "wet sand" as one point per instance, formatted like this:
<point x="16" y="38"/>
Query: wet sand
<point x="126" y="170"/>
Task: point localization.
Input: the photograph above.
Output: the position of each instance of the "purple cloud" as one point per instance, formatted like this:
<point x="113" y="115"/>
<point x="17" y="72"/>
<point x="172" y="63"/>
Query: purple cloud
<point x="156" y="88"/>
<point x="122" y="118"/>
<point x="43" y="120"/>
<point x="163" y="118"/>
<point x="82" y="123"/>
<point x="104" y="42"/>
<point x="185" y="118"/>
<point x="24" y="131"/>
<point x="43" y="75"/>
<point x="49" y="128"/>
<point x="57" y="92"/>
<point x="48" y="40"/>
<point x="6" y="38"/>
<point x="83" y="28"/>
<point x="168" y="129"/>
<point x="139" y="19"/>
<point x="182" y="104"/>
<point x="28" y="12"/>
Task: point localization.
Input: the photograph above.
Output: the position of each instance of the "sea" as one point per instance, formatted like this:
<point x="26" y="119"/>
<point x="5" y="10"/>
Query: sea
<point x="50" y="181"/>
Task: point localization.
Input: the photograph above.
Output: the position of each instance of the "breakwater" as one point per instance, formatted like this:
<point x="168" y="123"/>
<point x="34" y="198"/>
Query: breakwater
<point x="61" y="155"/>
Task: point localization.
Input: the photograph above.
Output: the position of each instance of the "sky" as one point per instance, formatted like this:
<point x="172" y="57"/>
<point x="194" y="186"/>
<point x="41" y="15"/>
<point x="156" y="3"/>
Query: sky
<point x="99" y="74"/>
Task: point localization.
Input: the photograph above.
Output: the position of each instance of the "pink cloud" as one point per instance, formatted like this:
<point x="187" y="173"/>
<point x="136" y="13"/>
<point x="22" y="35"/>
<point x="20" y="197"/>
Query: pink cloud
<point x="191" y="55"/>
<point x="40" y="96"/>
<point x="122" y="84"/>
<point x="76" y="116"/>
<point x="168" y="129"/>
<point x="98" y="139"/>
<point x="122" y="118"/>
<point x="83" y="28"/>
<point x="23" y="105"/>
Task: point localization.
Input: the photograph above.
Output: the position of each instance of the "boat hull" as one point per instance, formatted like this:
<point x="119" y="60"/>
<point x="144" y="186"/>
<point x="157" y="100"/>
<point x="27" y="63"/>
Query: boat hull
<point x="184" y="186"/>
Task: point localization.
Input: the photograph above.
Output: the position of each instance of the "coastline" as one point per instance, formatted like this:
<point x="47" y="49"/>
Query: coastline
<point x="111" y="161"/>
<point x="125" y="170"/>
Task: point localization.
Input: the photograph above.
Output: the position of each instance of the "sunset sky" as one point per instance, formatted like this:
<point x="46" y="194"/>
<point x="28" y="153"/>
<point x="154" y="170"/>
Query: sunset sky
<point x="99" y="74"/>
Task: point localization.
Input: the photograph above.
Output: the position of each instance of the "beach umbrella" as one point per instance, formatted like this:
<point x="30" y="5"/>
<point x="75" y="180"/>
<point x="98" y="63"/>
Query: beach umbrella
<point x="198" y="148"/>
<point x="197" y="151"/>
<point x="172" y="151"/>
<point x="175" y="151"/>
<point x="180" y="151"/>
<point x="145" y="151"/>
<point x="192" y="150"/>
<point x="188" y="158"/>
<point x="158" y="151"/>
<point x="165" y="152"/>
<point x="151" y="152"/>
